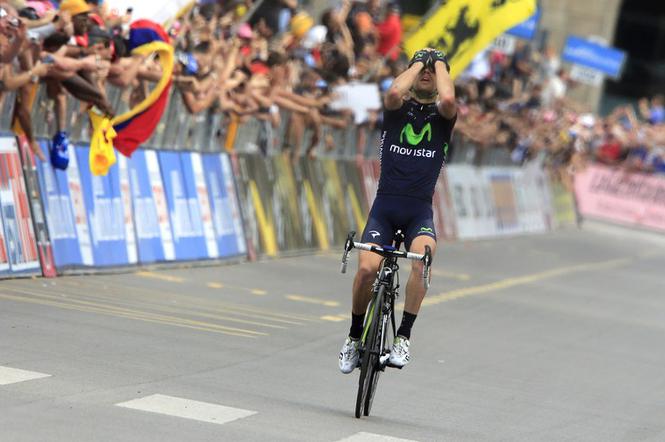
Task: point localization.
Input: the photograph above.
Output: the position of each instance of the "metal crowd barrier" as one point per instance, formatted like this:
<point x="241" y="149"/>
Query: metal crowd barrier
<point x="210" y="131"/>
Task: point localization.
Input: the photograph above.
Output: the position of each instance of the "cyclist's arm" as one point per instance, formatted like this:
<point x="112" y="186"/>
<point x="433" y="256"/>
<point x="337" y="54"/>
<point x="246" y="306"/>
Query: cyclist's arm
<point x="444" y="85"/>
<point x="401" y="85"/>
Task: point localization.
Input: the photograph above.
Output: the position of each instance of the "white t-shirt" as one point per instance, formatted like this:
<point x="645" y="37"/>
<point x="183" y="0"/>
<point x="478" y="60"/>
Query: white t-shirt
<point x="553" y="90"/>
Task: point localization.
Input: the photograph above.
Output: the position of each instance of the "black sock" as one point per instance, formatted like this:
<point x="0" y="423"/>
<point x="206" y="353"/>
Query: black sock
<point x="356" y="325"/>
<point x="407" y="322"/>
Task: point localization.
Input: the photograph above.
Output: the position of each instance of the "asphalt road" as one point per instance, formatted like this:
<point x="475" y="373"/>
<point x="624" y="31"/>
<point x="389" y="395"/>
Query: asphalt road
<point x="554" y="338"/>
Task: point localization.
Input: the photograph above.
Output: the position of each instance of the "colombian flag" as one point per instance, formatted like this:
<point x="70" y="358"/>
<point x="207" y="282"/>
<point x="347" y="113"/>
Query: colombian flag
<point x="137" y="125"/>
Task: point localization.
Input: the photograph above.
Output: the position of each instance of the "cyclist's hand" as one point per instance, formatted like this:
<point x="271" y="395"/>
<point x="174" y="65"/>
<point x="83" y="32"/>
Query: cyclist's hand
<point x="436" y="56"/>
<point x="420" y="56"/>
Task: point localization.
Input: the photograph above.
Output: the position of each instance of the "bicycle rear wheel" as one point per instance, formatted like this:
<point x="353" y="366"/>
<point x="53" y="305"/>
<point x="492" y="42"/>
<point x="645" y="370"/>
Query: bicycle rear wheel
<point x="370" y="359"/>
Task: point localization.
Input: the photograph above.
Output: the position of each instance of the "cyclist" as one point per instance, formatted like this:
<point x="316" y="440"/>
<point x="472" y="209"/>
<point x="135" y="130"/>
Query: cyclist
<point x="420" y="113"/>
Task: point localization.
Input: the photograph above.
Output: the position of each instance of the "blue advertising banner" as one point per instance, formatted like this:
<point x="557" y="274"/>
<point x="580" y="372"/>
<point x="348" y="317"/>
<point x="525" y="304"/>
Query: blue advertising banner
<point x="527" y="29"/>
<point x="192" y="168"/>
<point x="146" y="218"/>
<point x="65" y="214"/>
<point x="226" y="215"/>
<point x="104" y="207"/>
<point x="601" y="58"/>
<point x="182" y="202"/>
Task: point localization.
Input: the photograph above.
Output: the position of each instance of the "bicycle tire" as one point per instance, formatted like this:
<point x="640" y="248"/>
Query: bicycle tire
<point x="365" y="363"/>
<point x="376" y="339"/>
<point x="374" y="380"/>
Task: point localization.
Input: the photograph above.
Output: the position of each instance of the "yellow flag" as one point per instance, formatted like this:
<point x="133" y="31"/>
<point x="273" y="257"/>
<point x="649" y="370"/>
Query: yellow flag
<point x="463" y="28"/>
<point x="102" y="155"/>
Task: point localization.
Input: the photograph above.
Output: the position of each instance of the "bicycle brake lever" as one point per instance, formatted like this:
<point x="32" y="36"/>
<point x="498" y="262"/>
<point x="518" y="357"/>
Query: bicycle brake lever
<point x="348" y="246"/>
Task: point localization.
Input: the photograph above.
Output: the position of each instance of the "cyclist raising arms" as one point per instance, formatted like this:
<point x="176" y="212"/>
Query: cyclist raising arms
<point x="419" y="116"/>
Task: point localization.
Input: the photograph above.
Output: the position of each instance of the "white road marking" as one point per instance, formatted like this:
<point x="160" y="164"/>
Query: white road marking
<point x="10" y="375"/>
<point x="188" y="409"/>
<point x="371" y="437"/>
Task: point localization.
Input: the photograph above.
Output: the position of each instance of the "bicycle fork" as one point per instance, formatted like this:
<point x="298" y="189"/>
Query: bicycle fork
<point x="388" y="310"/>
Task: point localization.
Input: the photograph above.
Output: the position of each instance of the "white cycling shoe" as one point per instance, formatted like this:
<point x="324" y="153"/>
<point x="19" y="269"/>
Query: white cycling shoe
<point x="348" y="356"/>
<point x="399" y="355"/>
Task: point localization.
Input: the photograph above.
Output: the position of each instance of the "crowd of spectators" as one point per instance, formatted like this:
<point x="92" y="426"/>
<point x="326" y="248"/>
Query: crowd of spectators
<point x="270" y="60"/>
<point x="519" y="103"/>
<point x="246" y="59"/>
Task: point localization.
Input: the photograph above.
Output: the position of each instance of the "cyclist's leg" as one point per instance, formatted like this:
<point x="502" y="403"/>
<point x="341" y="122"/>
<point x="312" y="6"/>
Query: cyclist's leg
<point x="415" y="289"/>
<point x="419" y="234"/>
<point x="368" y="265"/>
<point x="378" y="231"/>
<point x="415" y="292"/>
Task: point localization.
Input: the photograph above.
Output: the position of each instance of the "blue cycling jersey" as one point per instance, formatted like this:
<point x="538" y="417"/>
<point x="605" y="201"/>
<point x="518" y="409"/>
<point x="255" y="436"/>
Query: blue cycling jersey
<point x="414" y="146"/>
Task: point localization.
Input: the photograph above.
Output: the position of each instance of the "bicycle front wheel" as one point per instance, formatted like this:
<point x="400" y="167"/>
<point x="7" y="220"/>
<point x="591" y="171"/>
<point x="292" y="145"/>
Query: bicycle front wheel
<point x="370" y="358"/>
<point x="379" y="348"/>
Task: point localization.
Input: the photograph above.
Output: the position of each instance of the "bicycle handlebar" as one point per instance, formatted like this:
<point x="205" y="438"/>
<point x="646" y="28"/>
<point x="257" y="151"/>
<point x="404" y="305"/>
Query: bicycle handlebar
<point x="425" y="258"/>
<point x="383" y="252"/>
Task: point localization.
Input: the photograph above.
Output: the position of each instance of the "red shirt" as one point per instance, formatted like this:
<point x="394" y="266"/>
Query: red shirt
<point x="610" y="151"/>
<point x="390" y="34"/>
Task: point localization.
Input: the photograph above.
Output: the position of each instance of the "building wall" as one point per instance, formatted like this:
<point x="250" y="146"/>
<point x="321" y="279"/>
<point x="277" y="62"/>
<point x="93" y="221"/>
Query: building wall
<point x="583" y="18"/>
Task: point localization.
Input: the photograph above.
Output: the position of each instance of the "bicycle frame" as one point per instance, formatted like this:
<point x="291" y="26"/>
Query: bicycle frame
<point x="388" y="277"/>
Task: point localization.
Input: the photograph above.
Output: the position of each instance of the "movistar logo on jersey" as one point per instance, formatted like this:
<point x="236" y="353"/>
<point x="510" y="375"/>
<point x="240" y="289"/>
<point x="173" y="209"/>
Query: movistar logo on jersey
<point x="414" y="138"/>
<point x="426" y="231"/>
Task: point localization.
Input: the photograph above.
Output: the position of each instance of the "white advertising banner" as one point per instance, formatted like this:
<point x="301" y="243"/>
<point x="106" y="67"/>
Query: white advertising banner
<point x="497" y="201"/>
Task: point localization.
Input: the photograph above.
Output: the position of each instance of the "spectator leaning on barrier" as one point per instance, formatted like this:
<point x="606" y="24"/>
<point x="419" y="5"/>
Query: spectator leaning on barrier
<point x="14" y="37"/>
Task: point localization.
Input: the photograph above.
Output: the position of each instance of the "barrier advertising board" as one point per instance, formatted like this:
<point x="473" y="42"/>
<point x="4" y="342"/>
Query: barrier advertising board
<point x="352" y="190"/>
<point x="66" y="218"/>
<point x="105" y="214"/>
<point x="184" y="212"/>
<point x="153" y="230"/>
<point x="289" y="226"/>
<point x="29" y="163"/>
<point x="563" y="202"/>
<point x="442" y="208"/>
<point x="226" y="217"/>
<point x="619" y="196"/>
<point x="196" y="188"/>
<point x="18" y="245"/>
<point x="313" y="228"/>
<point x="497" y="201"/>
<point x="472" y="201"/>
<point x="534" y="200"/>
<point x="254" y="186"/>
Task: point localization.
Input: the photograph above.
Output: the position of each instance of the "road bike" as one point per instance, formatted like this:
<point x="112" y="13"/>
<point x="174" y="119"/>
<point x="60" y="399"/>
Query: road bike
<point x="374" y="354"/>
